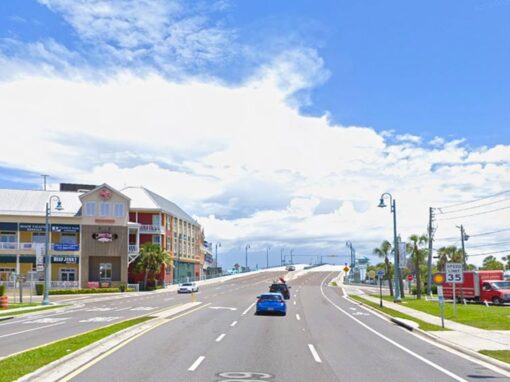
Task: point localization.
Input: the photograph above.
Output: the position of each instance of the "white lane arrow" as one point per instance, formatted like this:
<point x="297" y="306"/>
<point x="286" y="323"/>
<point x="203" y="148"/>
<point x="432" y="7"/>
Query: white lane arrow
<point x="222" y="307"/>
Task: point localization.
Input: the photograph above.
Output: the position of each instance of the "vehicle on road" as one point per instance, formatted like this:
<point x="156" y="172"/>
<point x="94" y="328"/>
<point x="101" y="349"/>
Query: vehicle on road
<point x="290" y="268"/>
<point x="280" y="288"/>
<point x="271" y="303"/>
<point x="480" y="286"/>
<point x="187" y="288"/>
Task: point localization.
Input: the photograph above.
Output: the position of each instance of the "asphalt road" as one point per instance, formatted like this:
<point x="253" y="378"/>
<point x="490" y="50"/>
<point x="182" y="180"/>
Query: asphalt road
<point x="324" y="337"/>
<point x="94" y="311"/>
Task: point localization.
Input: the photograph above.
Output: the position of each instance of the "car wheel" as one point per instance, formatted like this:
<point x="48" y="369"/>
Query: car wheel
<point x="496" y="300"/>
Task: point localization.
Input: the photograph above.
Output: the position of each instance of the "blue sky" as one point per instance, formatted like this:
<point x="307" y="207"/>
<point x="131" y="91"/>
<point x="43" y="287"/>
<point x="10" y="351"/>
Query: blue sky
<point x="428" y="68"/>
<point x="318" y="106"/>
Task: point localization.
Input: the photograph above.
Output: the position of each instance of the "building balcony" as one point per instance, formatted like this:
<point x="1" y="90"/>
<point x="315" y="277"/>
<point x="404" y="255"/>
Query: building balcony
<point x="57" y="247"/>
<point x="154" y="229"/>
<point x="133" y="248"/>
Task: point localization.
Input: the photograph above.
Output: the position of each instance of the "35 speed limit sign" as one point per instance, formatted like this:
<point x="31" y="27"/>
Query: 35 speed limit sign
<point x="454" y="273"/>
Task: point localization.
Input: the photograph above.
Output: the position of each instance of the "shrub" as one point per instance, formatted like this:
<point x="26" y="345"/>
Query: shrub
<point x="122" y="287"/>
<point x="2" y="290"/>
<point x="87" y="291"/>
<point x="39" y="289"/>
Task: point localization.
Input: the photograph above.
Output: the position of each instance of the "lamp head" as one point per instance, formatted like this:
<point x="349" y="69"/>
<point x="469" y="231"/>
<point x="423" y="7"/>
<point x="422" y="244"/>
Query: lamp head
<point x="59" y="206"/>
<point x="381" y="203"/>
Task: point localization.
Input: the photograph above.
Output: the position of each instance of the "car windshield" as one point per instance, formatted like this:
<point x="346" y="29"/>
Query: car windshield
<point x="187" y="284"/>
<point x="501" y="285"/>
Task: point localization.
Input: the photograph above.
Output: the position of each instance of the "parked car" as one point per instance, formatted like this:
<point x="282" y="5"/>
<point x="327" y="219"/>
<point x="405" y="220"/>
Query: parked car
<point x="187" y="288"/>
<point x="290" y="268"/>
<point x="280" y="288"/>
<point x="480" y="286"/>
<point x="271" y="303"/>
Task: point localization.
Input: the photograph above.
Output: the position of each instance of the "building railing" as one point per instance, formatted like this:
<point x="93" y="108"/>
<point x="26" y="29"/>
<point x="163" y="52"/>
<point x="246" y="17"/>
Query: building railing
<point x="133" y="248"/>
<point x="64" y="247"/>
<point x="149" y="228"/>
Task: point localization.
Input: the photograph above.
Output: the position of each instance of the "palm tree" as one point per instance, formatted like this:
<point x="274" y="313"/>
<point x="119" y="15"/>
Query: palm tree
<point x="418" y="253"/>
<point x="507" y="259"/>
<point x="383" y="251"/>
<point x="450" y="254"/>
<point x="491" y="263"/>
<point x="151" y="258"/>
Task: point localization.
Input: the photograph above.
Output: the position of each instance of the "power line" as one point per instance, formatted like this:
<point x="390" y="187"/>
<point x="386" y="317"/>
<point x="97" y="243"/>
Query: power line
<point x="474" y="201"/>
<point x="490" y="233"/>
<point x="490" y="245"/>
<point x="489" y="253"/>
<point x="477" y="214"/>
<point x="474" y="207"/>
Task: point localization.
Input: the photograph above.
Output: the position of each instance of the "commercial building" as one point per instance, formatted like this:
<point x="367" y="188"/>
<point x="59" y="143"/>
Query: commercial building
<point x="96" y="236"/>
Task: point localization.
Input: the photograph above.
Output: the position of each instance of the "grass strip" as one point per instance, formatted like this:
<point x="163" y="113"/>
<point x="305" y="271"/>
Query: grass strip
<point x="22" y="305"/>
<point x="422" y="324"/>
<point x="502" y="355"/>
<point x="477" y="315"/>
<point x="31" y="310"/>
<point x="18" y="365"/>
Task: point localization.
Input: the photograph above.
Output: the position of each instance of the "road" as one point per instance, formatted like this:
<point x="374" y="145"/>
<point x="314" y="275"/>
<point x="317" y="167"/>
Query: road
<point x="90" y="312"/>
<point x="323" y="338"/>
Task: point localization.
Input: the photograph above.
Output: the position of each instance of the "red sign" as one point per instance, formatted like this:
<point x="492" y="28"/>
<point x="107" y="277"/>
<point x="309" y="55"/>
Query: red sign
<point x="93" y="284"/>
<point x="105" y="194"/>
<point x="410" y="277"/>
<point x="104" y="237"/>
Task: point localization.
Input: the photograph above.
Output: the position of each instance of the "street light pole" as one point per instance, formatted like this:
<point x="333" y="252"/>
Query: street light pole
<point x="281" y="256"/>
<point x="46" y="299"/>
<point x="267" y="256"/>
<point x="246" y="255"/>
<point x="291" y="259"/>
<point x="216" y="256"/>
<point x="395" y="243"/>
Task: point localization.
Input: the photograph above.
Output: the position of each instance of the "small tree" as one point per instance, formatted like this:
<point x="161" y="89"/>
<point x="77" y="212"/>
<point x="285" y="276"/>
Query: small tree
<point x="383" y="251"/>
<point x="450" y="254"/>
<point x="418" y="253"/>
<point x="490" y="263"/>
<point x="151" y="258"/>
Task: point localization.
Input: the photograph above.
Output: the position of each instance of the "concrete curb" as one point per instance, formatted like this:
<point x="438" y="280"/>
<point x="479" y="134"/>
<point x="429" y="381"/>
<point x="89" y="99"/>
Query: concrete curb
<point x="69" y="363"/>
<point x="502" y="365"/>
<point x="6" y="318"/>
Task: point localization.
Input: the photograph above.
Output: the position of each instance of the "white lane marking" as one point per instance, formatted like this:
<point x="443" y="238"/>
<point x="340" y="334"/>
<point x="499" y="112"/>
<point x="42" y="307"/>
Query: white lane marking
<point x="343" y="292"/>
<point x="100" y="319"/>
<point x="168" y="299"/>
<point x="30" y="330"/>
<point x="121" y="309"/>
<point x="196" y="363"/>
<point x="248" y="309"/>
<point x="233" y="323"/>
<point x="410" y="352"/>
<point x="315" y="355"/>
<point x="220" y="337"/>
<point x="297" y="316"/>
<point x="46" y="320"/>
<point x="143" y="308"/>
<point x="222" y="307"/>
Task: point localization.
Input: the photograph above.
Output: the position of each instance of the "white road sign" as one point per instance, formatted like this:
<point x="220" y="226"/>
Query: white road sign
<point x="454" y="273"/>
<point x="39" y="256"/>
<point x="402" y="255"/>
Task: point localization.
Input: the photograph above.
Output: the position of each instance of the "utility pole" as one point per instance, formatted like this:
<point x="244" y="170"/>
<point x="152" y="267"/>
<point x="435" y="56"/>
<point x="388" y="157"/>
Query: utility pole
<point x="429" y="260"/>
<point x="463" y="237"/>
<point x="44" y="184"/>
<point x="291" y="260"/>
<point x="281" y="256"/>
<point x="267" y="256"/>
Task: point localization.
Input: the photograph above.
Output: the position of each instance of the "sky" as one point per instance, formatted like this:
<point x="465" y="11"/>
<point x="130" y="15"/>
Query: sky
<point x="275" y="123"/>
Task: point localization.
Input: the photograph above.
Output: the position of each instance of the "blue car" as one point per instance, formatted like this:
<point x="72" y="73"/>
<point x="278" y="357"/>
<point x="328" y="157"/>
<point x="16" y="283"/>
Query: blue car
<point x="271" y="303"/>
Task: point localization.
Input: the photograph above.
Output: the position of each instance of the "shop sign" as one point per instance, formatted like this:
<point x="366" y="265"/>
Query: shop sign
<point x="32" y="227"/>
<point x="105" y="194"/>
<point x="65" y="259"/>
<point x="65" y="228"/>
<point x="66" y="247"/>
<point x="93" y="284"/>
<point x="104" y="237"/>
<point x="8" y="226"/>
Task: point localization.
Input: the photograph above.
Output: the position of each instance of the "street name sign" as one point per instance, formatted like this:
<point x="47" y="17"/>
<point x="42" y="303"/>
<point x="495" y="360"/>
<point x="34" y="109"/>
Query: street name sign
<point x="454" y="273"/>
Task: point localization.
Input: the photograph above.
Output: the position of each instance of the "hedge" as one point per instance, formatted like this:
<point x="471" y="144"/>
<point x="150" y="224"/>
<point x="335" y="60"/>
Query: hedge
<point x="86" y="291"/>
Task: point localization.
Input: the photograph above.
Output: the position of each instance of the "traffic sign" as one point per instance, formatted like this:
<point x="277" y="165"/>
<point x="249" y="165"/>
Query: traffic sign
<point x="454" y="273"/>
<point x="346" y="269"/>
<point x="438" y="278"/>
<point x="380" y="273"/>
<point x="371" y="274"/>
<point x="410" y="277"/>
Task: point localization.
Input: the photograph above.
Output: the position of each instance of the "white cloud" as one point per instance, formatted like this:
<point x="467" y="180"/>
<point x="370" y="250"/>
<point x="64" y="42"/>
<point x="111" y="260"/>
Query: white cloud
<point x="220" y="150"/>
<point x="409" y="138"/>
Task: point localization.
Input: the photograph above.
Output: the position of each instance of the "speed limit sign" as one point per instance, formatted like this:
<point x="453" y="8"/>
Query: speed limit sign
<point x="454" y="273"/>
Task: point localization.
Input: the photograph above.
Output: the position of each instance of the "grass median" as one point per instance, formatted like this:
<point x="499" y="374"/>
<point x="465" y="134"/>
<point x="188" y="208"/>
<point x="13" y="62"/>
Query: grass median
<point x="477" y="315"/>
<point x="17" y="313"/>
<point x="18" y="365"/>
<point x="502" y="355"/>
<point x="422" y="324"/>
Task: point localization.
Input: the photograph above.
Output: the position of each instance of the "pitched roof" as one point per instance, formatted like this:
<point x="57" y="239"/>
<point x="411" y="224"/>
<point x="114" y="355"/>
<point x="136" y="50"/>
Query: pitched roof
<point x="33" y="202"/>
<point x="144" y="199"/>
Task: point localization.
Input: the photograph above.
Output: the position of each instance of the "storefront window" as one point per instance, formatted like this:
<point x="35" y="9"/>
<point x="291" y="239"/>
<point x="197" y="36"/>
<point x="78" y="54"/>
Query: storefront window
<point x="105" y="271"/>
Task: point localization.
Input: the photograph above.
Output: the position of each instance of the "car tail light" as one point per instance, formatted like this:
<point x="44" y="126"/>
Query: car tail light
<point x="259" y="300"/>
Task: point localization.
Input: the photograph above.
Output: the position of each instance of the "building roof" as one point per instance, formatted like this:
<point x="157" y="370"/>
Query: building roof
<point x="33" y="202"/>
<point x="144" y="199"/>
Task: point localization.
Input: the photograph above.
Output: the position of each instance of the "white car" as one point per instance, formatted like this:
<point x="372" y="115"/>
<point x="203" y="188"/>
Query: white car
<point x="187" y="288"/>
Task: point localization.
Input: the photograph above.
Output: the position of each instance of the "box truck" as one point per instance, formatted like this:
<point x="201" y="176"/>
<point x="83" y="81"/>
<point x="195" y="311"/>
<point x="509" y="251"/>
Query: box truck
<point x="480" y="286"/>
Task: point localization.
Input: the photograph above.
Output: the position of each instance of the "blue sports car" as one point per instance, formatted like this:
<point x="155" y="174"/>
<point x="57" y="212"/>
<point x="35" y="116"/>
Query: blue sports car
<point x="271" y="303"/>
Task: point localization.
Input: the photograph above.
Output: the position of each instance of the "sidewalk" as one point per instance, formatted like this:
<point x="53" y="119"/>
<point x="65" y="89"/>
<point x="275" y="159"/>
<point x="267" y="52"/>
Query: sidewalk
<point x="464" y="336"/>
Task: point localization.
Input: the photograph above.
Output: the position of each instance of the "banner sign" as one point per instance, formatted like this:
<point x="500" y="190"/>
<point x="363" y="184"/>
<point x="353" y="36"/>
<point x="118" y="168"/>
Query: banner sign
<point x="32" y="227"/>
<point x="66" y="247"/>
<point x="65" y="259"/>
<point x="39" y="256"/>
<point x="65" y="228"/>
<point x="402" y="255"/>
